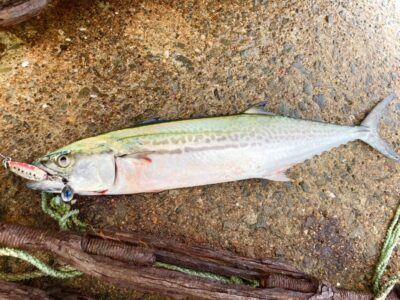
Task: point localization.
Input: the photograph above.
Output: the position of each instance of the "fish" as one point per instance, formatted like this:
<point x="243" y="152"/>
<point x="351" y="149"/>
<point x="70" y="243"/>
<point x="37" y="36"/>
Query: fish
<point x="158" y="156"/>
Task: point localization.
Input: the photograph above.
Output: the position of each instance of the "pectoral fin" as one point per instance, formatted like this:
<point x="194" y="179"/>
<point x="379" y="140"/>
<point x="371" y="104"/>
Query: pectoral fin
<point x="140" y="156"/>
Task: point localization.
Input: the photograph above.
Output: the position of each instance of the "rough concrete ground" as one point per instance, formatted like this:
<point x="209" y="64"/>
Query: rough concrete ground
<point x="87" y="67"/>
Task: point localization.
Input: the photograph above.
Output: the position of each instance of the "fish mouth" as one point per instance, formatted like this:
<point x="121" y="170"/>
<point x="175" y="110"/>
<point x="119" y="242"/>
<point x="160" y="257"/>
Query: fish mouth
<point x="54" y="183"/>
<point x="50" y="172"/>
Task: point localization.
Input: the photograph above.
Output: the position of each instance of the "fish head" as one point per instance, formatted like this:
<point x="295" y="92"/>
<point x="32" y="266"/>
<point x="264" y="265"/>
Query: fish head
<point x="84" y="168"/>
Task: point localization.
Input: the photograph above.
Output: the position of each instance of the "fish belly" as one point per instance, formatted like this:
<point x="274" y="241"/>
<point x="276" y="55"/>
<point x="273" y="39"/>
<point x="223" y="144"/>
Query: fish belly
<point x="189" y="168"/>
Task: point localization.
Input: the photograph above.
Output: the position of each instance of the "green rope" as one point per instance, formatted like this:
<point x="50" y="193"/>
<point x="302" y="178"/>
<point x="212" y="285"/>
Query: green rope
<point x="387" y="287"/>
<point x="208" y="275"/>
<point x="67" y="219"/>
<point x="62" y="273"/>
<point x="61" y="212"/>
<point x="391" y="240"/>
<point x="20" y="276"/>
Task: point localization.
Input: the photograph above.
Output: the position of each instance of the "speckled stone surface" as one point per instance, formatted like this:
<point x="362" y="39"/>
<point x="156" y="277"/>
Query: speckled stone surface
<point x="87" y="67"/>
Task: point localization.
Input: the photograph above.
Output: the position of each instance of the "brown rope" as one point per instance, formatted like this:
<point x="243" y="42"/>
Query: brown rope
<point x="119" y="251"/>
<point x="14" y="12"/>
<point x="111" y="260"/>
<point x="290" y="283"/>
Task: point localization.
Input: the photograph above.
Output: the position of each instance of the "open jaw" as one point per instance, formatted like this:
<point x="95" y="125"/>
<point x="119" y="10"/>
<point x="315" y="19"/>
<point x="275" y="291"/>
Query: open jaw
<point x="52" y="183"/>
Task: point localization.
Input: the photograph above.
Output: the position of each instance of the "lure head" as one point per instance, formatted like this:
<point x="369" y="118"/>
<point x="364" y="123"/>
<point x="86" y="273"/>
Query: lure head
<point x="86" y="167"/>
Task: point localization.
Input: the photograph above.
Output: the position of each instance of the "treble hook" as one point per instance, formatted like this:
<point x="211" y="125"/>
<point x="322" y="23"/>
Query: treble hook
<point x="6" y="160"/>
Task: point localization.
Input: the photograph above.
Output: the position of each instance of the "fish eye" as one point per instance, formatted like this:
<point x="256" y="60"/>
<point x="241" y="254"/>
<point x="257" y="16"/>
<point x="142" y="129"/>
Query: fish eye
<point x="63" y="161"/>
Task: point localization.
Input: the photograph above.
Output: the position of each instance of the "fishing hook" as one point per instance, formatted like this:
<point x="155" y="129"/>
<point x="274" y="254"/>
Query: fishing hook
<point x="5" y="160"/>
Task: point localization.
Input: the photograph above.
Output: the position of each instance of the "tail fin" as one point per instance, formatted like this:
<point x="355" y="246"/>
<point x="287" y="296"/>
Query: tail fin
<point x="372" y="123"/>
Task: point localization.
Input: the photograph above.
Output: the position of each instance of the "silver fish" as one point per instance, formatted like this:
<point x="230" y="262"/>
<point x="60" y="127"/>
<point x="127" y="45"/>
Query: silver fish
<point x="177" y="154"/>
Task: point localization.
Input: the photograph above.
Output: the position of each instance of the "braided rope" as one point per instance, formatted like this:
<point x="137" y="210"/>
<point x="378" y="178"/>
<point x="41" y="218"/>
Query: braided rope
<point x="391" y="240"/>
<point x="44" y="269"/>
<point x="67" y="219"/>
<point x="208" y="275"/>
<point x="61" y="212"/>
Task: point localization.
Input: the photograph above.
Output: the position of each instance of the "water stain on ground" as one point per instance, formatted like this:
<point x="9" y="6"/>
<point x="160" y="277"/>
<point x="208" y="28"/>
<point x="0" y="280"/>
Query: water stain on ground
<point x="86" y="67"/>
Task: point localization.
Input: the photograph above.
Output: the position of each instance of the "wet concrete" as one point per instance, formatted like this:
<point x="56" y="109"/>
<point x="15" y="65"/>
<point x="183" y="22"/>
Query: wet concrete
<point x="87" y="67"/>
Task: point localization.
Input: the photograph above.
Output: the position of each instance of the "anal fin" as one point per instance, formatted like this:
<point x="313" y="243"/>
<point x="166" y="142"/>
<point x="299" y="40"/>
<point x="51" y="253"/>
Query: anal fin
<point x="258" y="109"/>
<point x="278" y="176"/>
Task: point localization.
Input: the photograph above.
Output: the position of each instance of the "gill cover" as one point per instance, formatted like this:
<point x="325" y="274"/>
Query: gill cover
<point x="92" y="173"/>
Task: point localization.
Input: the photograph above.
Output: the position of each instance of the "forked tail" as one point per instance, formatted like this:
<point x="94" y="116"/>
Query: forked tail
<point x="371" y="122"/>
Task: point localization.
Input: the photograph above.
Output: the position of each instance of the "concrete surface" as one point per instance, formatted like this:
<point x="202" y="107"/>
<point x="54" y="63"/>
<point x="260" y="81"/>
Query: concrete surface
<point x="87" y="67"/>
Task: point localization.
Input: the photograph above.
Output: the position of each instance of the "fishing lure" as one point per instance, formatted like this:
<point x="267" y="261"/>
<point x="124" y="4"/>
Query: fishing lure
<point x="33" y="173"/>
<point x="27" y="171"/>
<point x="24" y="170"/>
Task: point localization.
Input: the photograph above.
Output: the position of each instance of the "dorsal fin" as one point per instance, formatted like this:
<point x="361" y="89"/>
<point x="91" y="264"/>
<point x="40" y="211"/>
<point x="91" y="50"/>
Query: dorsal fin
<point x="258" y="109"/>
